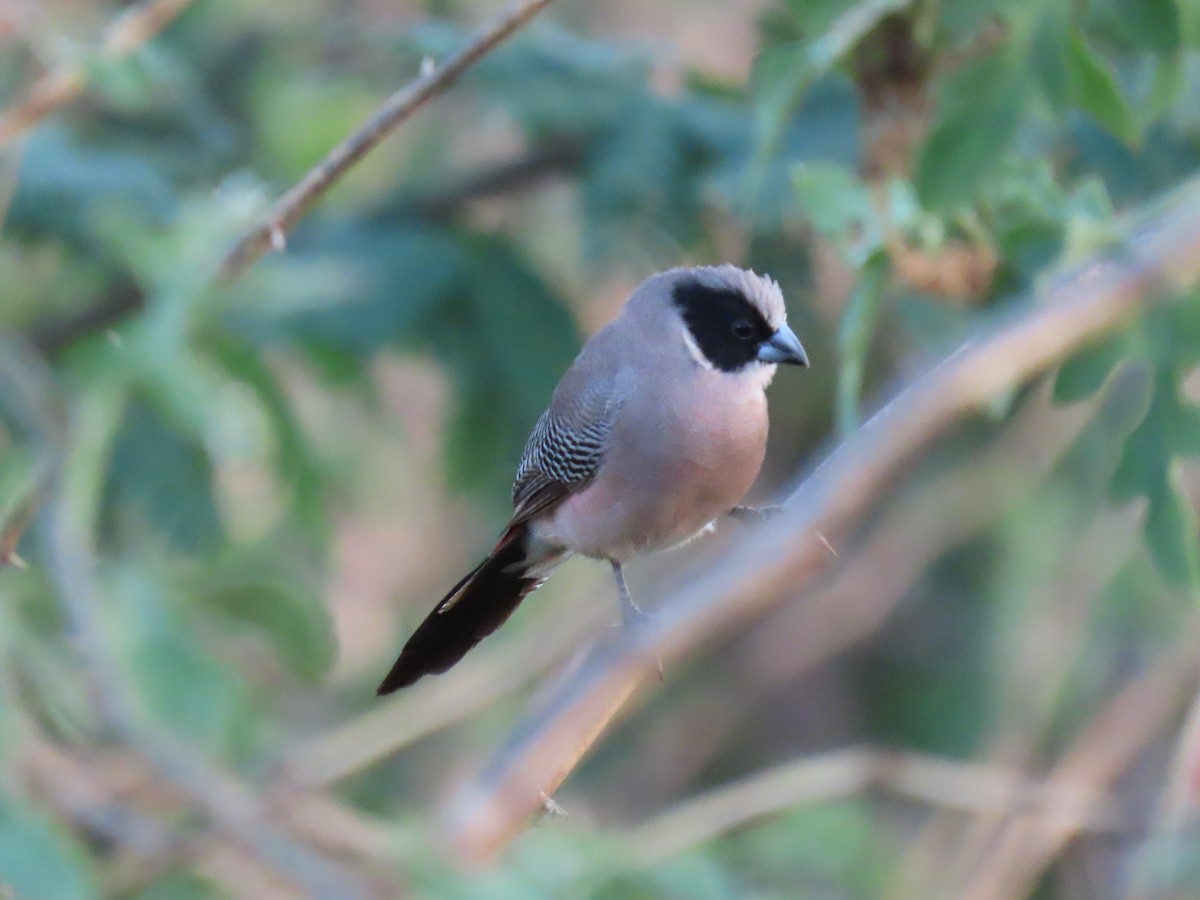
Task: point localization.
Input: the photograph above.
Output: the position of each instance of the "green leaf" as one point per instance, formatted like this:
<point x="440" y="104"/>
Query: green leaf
<point x="296" y="464"/>
<point x="179" y="685"/>
<point x="37" y="860"/>
<point x="1171" y="532"/>
<point x="1171" y="428"/>
<point x="506" y="341"/>
<point x="783" y="74"/>
<point x="833" y="198"/>
<point x="1049" y="57"/>
<point x="263" y="588"/>
<point x="160" y="484"/>
<point x="982" y="109"/>
<point x="1099" y="95"/>
<point x="1153" y="24"/>
<point x="1084" y="373"/>
<point x="854" y="339"/>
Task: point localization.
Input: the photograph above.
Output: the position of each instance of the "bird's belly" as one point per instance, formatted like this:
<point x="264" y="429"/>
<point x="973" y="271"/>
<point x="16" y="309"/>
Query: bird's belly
<point x="663" y="486"/>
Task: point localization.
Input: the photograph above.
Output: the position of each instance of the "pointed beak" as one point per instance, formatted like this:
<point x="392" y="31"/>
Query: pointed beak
<point x="783" y="347"/>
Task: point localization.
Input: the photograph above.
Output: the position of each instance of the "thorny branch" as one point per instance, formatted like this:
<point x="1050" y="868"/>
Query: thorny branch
<point x="293" y="205"/>
<point x="1161" y="254"/>
<point x="127" y="33"/>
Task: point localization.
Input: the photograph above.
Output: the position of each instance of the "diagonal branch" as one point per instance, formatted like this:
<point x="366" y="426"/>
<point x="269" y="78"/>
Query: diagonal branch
<point x="1161" y="254"/>
<point x="293" y="205"/>
<point x="56" y="89"/>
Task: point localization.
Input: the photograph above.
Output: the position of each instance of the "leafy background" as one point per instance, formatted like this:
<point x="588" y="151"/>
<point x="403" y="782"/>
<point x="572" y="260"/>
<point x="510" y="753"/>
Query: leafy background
<point x="281" y="475"/>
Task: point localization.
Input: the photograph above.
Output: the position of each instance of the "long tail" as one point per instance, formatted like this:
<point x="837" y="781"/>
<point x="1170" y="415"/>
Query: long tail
<point x="474" y="608"/>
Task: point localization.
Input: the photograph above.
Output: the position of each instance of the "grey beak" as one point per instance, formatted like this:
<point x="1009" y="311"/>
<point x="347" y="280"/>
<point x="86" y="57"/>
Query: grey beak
<point x="783" y="347"/>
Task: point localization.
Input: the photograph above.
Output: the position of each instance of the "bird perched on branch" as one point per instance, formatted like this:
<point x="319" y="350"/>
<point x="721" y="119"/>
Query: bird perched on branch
<point x="658" y="428"/>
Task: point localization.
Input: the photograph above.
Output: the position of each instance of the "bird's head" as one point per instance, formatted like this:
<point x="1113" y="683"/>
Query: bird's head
<point x="732" y="319"/>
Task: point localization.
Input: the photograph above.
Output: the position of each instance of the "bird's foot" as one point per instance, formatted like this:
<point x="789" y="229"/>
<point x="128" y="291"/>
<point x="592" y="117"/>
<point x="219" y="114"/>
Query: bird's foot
<point x="633" y="616"/>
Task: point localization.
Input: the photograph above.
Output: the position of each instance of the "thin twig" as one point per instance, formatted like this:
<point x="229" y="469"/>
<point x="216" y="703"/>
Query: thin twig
<point x="55" y="90"/>
<point x="960" y="786"/>
<point x="782" y="560"/>
<point x="541" y="162"/>
<point x="435" y="704"/>
<point x="292" y="206"/>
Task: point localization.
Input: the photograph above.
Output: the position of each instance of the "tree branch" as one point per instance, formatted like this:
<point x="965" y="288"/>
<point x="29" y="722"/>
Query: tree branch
<point x="293" y="205"/>
<point x="953" y="784"/>
<point x="127" y="33"/>
<point x="1161" y="253"/>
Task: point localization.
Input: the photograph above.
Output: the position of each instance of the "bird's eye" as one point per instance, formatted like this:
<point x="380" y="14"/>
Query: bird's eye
<point x="743" y="330"/>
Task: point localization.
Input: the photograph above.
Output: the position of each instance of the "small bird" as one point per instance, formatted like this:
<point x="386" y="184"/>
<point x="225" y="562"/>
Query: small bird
<point x="657" y="429"/>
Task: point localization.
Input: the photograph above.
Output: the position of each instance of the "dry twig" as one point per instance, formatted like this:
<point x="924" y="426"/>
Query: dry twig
<point x="127" y="33"/>
<point x="293" y="205"/>
<point x="1161" y="253"/>
<point x="1097" y="757"/>
<point x="960" y="786"/>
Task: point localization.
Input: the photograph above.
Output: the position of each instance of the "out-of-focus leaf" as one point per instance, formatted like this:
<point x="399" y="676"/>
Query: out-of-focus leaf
<point x="1049" y="56"/>
<point x="1153" y="24"/>
<point x="1084" y="373"/>
<point x="177" y="886"/>
<point x="782" y="75"/>
<point x="854" y="339"/>
<point x="981" y="110"/>
<point x="258" y="586"/>
<point x="641" y="183"/>
<point x="160" y="485"/>
<point x="179" y="685"/>
<point x="392" y="277"/>
<point x="506" y="341"/>
<point x="297" y="466"/>
<point x="833" y="198"/>
<point x="66" y="185"/>
<point x="1099" y="94"/>
<point x="1172" y="533"/>
<point x="1171" y="428"/>
<point x="36" y="860"/>
<point x="556" y="82"/>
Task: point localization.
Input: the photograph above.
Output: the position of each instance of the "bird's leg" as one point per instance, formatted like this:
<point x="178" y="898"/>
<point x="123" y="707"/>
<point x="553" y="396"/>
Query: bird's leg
<point x="755" y="515"/>
<point x="631" y="613"/>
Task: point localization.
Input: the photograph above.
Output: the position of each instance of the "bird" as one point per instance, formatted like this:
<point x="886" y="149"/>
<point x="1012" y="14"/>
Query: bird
<point x="656" y="430"/>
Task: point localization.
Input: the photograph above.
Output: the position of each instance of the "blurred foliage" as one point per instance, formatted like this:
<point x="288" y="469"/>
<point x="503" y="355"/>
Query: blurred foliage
<point x="941" y="159"/>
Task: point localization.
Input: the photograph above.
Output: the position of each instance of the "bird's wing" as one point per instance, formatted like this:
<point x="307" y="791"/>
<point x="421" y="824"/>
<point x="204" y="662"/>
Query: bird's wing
<point x="567" y="445"/>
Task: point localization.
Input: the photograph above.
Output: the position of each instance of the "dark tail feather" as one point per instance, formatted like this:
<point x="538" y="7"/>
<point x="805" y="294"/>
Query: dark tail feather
<point x="474" y="608"/>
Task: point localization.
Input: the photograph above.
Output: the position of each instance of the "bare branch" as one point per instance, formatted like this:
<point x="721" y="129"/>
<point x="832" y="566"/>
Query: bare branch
<point x="293" y="205"/>
<point x="1100" y="753"/>
<point x="127" y="33"/>
<point x="960" y="786"/>
<point x="435" y="704"/>
<point x="1163" y="252"/>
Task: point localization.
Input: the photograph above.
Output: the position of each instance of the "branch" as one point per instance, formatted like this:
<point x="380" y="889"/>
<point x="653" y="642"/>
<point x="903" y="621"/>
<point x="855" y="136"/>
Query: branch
<point x="781" y="561"/>
<point x="435" y="704"/>
<point x="293" y="205"/>
<point x="119" y="299"/>
<point x="127" y="33"/>
<point x="1104" y="749"/>
<point x="123" y="296"/>
<point x="978" y="788"/>
<point x="543" y="161"/>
